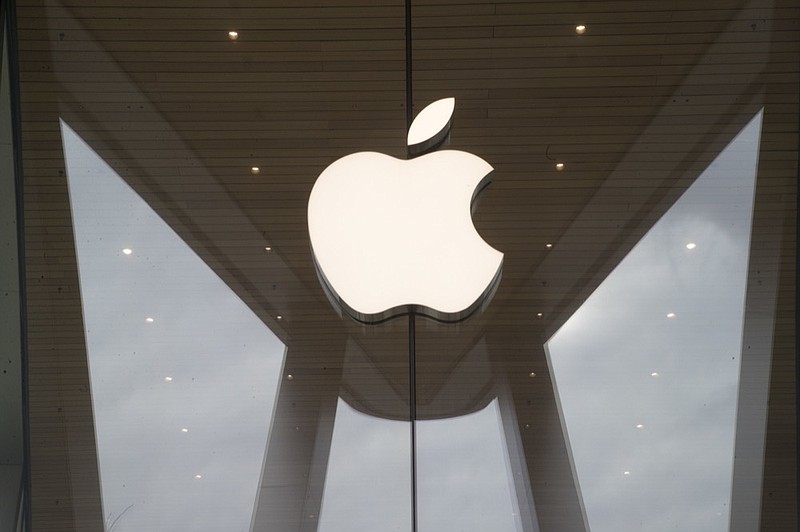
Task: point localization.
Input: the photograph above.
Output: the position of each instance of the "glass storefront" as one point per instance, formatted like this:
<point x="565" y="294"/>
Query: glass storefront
<point x="190" y="367"/>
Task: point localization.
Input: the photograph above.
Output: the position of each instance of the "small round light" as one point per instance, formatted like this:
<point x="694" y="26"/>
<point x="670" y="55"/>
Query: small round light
<point x="548" y="245"/>
<point x="532" y="374"/>
<point x="149" y="320"/>
<point x="290" y="377"/>
<point x="127" y="251"/>
<point x="626" y="473"/>
<point x="580" y="29"/>
<point x="539" y="315"/>
<point x="691" y="245"/>
<point x="168" y="379"/>
<point x="671" y="315"/>
<point x="198" y="476"/>
<point x="255" y="170"/>
<point x="639" y="426"/>
<point x="268" y="249"/>
<point x="279" y="317"/>
<point x="559" y="166"/>
<point x="654" y="374"/>
<point x="233" y="35"/>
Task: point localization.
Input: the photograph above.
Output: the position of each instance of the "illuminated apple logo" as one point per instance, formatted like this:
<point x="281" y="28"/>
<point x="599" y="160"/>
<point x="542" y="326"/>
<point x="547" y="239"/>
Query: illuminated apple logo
<point x="390" y="236"/>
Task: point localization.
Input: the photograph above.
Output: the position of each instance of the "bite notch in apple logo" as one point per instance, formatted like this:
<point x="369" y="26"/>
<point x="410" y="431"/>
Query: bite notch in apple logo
<point x="390" y="236"/>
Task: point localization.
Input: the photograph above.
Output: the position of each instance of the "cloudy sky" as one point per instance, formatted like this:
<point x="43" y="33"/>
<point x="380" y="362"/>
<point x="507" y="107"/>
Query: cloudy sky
<point x="183" y="402"/>
<point x="647" y="370"/>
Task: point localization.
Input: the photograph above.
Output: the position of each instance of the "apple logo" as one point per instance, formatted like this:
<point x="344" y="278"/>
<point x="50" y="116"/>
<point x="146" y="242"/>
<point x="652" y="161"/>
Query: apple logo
<point x="389" y="236"/>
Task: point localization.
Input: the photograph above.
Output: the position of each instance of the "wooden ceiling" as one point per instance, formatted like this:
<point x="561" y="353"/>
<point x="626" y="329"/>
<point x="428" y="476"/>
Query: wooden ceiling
<point x="636" y="108"/>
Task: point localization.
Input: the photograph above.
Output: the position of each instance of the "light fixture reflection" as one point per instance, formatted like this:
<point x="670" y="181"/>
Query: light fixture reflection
<point x="133" y="419"/>
<point x="717" y="208"/>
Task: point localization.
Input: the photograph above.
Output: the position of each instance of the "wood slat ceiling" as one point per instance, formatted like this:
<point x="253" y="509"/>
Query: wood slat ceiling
<point x="636" y="108"/>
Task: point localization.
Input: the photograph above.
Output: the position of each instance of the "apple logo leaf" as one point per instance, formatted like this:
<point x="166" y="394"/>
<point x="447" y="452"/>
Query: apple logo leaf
<point x="431" y="127"/>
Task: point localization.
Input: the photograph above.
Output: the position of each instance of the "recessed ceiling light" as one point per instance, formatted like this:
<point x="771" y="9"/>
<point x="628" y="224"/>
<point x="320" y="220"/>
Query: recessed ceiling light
<point x="691" y="245"/>
<point x="626" y="473"/>
<point x="168" y="379"/>
<point x="233" y="35"/>
<point x="149" y="320"/>
<point x="671" y="315"/>
<point x="532" y="374"/>
<point x="290" y="377"/>
<point x="255" y="169"/>
<point x="184" y="430"/>
<point x="267" y="248"/>
<point x="639" y="426"/>
<point x="127" y="251"/>
<point x="559" y="166"/>
<point x="548" y="245"/>
<point x="539" y="314"/>
<point x="580" y="29"/>
<point x="279" y="317"/>
<point x="198" y="476"/>
<point x="654" y="374"/>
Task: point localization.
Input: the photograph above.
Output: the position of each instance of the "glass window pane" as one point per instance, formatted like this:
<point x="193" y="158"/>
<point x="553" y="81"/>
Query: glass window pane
<point x="598" y="120"/>
<point x="647" y="371"/>
<point x="183" y="374"/>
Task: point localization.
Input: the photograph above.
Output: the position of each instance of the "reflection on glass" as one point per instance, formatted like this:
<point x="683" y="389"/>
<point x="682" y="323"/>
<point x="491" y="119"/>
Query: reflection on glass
<point x="183" y="374"/>
<point x="464" y="477"/>
<point x="647" y="370"/>
<point x="368" y="482"/>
